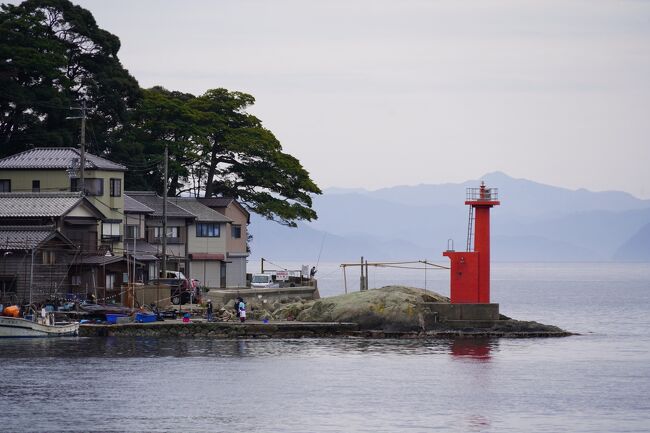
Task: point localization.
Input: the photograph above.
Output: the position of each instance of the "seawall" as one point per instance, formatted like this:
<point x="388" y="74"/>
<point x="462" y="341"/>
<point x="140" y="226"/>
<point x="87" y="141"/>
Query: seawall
<point x="296" y="329"/>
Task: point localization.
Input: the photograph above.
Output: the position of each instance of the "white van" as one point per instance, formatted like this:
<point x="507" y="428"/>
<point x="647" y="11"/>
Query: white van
<point x="176" y="274"/>
<point x="263" y="280"/>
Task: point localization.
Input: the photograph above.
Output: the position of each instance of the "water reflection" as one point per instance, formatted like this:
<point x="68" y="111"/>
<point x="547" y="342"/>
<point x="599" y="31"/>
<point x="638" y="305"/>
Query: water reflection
<point x="477" y="423"/>
<point x="478" y="349"/>
<point x="147" y="347"/>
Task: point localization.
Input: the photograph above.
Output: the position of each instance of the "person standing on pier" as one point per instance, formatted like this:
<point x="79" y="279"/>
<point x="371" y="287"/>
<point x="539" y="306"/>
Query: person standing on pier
<point x="209" y="310"/>
<point x="241" y="307"/>
<point x="237" y="301"/>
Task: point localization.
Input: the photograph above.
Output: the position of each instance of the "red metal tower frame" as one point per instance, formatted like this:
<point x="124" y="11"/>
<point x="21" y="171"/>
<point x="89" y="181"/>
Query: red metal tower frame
<point x="470" y="270"/>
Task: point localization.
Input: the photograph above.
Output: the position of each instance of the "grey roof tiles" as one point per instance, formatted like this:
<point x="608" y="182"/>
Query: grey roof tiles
<point x="14" y="238"/>
<point x="155" y="202"/>
<point x="42" y="204"/>
<point x="134" y="206"/>
<point x="56" y="158"/>
<point x="216" y="201"/>
<point x="201" y="211"/>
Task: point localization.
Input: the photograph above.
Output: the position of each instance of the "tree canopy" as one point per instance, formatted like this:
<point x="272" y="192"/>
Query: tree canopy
<point x="215" y="148"/>
<point x="53" y="56"/>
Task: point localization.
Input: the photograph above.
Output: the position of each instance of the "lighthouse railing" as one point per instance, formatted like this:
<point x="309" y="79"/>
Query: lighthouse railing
<point x="482" y="194"/>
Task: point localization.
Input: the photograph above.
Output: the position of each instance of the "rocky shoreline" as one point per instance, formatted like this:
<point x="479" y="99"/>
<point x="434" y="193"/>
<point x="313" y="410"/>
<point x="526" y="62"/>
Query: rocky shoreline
<point x="389" y="312"/>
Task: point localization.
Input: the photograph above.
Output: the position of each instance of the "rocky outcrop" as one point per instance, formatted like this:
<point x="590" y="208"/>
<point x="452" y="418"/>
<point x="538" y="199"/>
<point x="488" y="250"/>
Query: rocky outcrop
<point x="399" y="309"/>
<point x="391" y="308"/>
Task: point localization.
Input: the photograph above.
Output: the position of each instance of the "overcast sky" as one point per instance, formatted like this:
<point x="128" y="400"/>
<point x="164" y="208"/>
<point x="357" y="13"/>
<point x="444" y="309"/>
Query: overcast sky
<point x="381" y="93"/>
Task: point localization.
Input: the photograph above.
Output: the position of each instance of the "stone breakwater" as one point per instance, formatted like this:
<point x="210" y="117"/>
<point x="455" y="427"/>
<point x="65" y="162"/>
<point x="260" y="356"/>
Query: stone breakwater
<point x="176" y="328"/>
<point x="389" y="312"/>
<point x="233" y="330"/>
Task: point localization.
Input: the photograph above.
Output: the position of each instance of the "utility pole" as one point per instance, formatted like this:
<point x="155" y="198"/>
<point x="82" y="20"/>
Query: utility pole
<point x="164" y="222"/>
<point x="82" y="152"/>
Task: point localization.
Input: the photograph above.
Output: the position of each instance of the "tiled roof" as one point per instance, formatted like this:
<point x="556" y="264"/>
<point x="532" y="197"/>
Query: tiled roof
<point x="155" y="202"/>
<point x="60" y="158"/>
<point x="223" y="202"/>
<point x="134" y="206"/>
<point x="216" y="201"/>
<point x="99" y="260"/>
<point x="24" y="237"/>
<point x="201" y="211"/>
<point x="37" y="204"/>
<point x="144" y="247"/>
<point x="146" y="258"/>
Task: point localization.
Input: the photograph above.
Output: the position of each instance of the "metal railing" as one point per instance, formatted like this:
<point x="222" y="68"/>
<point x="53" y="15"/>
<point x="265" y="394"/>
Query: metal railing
<point x="482" y="194"/>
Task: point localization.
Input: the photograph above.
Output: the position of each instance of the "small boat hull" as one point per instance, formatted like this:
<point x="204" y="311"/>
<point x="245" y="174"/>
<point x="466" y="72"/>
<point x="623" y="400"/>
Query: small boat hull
<point x="18" y="327"/>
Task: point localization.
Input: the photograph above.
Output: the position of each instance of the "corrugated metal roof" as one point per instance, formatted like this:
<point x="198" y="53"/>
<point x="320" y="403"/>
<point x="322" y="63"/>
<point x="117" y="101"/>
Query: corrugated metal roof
<point x="134" y="206"/>
<point x="23" y="237"/>
<point x="41" y="204"/>
<point x="155" y="202"/>
<point x="60" y="158"/>
<point x="201" y="211"/>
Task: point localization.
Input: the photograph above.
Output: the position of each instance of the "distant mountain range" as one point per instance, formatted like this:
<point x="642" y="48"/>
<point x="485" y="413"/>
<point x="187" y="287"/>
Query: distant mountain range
<point x="535" y="222"/>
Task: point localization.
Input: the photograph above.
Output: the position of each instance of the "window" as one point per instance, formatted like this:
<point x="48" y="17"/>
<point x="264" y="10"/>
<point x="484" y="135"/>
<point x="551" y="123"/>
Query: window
<point x="172" y="232"/>
<point x="208" y="230"/>
<point x="5" y="185"/>
<point x="76" y="280"/>
<point x="49" y="257"/>
<point x="36" y="186"/>
<point x="110" y="230"/>
<point x="236" y="231"/>
<point x="93" y="186"/>
<point x="133" y="232"/>
<point x="116" y="187"/>
<point x="7" y="285"/>
<point x="110" y="281"/>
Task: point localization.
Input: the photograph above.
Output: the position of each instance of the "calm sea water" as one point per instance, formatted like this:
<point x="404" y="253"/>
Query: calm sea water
<point x="596" y="382"/>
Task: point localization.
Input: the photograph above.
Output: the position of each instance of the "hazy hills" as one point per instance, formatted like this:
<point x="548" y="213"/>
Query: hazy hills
<point x="535" y="222"/>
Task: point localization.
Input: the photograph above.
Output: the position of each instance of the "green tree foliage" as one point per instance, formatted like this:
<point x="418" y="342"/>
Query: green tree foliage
<point x="217" y="149"/>
<point x="52" y="55"/>
<point x="162" y="118"/>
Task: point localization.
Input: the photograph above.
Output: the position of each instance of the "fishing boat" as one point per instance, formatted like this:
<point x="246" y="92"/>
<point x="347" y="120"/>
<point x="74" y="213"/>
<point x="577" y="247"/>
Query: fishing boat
<point x="46" y="327"/>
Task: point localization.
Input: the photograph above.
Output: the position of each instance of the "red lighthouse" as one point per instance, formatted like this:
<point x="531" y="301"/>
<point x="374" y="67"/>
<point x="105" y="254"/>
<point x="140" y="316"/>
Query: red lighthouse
<point x="470" y="270"/>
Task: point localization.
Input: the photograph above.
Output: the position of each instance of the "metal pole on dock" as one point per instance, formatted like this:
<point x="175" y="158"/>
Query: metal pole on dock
<point x="31" y="278"/>
<point x="362" y="284"/>
<point x="345" y="280"/>
<point x="425" y="275"/>
<point x="134" y="246"/>
<point x="367" y="275"/>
